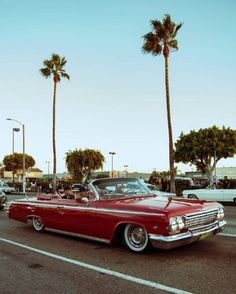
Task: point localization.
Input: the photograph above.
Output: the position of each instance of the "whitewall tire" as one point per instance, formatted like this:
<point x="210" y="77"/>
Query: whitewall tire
<point x="136" y="238"/>
<point x="37" y="224"/>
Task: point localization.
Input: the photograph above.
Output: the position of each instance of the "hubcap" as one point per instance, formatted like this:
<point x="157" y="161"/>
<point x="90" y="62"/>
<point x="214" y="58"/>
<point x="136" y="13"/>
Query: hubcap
<point x="37" y="223"/>
<point x="137" y="236"/>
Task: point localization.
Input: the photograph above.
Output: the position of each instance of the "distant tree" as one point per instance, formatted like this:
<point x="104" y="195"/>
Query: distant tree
<point x="82" y="163"/>
<point x="204" y="148"/>
<point x="102" y="175"/>
<point x="14" y="162"/>
<point x="161" y="179"/>
<point x="54" y="67"/>
<point x="162" y="40"/>
<point x="156" y="176"/>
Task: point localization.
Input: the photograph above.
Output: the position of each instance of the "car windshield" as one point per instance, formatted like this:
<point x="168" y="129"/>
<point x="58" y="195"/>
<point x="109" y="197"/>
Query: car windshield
<point x="120" y="188"/>
<point x="152" y="188"/>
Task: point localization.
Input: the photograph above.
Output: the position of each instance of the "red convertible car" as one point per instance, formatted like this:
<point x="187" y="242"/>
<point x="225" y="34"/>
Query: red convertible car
<point x="122" y="209"/>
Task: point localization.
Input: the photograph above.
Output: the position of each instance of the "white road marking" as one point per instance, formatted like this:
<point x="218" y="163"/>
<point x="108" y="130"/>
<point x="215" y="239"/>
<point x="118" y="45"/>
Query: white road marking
<point x="227" y="235"/>
<point x="100" y="269"/>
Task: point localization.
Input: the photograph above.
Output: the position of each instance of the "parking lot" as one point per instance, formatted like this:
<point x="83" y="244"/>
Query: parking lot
<point x="34" y="262"/>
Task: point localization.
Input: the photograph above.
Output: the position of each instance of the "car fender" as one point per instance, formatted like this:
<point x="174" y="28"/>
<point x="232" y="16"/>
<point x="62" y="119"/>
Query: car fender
<point x="119" y="228"/>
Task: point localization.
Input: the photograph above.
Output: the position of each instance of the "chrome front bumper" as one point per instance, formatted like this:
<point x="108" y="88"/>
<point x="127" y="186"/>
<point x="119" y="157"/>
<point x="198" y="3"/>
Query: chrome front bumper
<point x="168" y="242"/>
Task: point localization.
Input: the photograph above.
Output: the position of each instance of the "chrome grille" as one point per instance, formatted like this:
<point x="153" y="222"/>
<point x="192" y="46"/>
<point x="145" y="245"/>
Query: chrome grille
<point x="201" y="220"/>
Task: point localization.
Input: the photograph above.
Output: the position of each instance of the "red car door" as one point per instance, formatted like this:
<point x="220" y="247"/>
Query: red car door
<point x="77" y="217"/>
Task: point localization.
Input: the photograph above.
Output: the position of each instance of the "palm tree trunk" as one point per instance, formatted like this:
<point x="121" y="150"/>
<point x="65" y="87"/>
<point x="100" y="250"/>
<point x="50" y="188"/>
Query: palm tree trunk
<point x="171" y="149"/>
<point x="54" y="137"/>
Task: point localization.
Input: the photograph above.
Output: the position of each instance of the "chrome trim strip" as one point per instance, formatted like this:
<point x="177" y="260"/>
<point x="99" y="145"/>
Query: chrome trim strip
<point x="85" y="208"/>
<point x="79" y="235"/>
<point x="186" y="235"/>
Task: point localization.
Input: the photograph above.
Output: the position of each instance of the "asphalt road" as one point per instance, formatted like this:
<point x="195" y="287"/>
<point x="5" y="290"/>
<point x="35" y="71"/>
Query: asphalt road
<point x="32" y="262"/>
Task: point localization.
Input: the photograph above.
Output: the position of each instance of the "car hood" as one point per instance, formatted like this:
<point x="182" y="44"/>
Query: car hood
<point x="163" y="205"/>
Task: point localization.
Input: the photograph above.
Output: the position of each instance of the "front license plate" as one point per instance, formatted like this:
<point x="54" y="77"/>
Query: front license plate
<point x="205" y="235"/>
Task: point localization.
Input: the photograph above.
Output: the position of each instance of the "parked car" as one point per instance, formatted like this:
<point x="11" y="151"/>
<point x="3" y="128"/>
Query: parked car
<point x="3" y="200"/>
<point x="122" y="209"/>
<point x="154" y="189"/>
<point x="77" y="187"/>
<point x="6" y="188"/>
<point x="212" y="192"/>
<point x="189" y="180"/>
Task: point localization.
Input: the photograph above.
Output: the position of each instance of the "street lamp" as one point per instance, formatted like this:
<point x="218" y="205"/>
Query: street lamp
<point x="112" y="154"/>
<point x="126" y="169"/>
<point x="14" y="130"/>
<point x="23" y="133"/>
<point x="48" y="163"/>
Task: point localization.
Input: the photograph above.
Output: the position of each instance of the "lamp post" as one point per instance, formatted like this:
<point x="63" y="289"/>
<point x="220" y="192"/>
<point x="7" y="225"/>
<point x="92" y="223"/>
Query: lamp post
<point x="14" y="130"/>
<point x="126" y="169"/>
<point x="23" y="133"/>
<point x="112" y="154"/>
<point x="48" y="163"/>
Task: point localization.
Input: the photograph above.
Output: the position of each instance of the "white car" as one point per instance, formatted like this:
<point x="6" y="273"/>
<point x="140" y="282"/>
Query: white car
<point x="154" y="189"/>
<point x="212" y="193"/>
<point x="7" y="189"/>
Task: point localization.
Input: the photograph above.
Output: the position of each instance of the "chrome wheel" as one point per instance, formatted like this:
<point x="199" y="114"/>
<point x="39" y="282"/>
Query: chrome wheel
<point x="37" y="224"/>
<point x="136" y="238"/>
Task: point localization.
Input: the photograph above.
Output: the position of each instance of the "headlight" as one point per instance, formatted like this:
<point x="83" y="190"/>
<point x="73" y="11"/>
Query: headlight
<point x="176" y="223"/>
<point x="220" y="213"/>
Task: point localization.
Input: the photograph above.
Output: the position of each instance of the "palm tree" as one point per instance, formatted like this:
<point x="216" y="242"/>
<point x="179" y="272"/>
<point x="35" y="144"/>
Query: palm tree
<point x="161" y="41"/>
<point x="54" y="67"/>
<point x="82" y="163"/>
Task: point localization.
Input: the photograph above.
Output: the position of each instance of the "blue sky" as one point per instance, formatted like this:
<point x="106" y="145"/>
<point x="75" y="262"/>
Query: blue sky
<point x="115" y="100"/>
